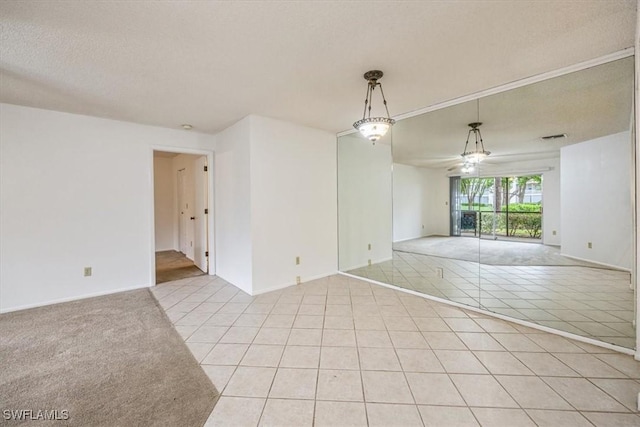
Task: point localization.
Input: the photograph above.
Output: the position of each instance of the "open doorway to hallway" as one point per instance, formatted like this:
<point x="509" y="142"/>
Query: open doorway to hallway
<point x="180" y="214"/>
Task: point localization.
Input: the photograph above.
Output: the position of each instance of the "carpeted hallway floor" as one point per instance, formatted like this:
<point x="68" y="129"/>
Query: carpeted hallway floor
<point x="113" y="360"/>
<point x="173" y="265"/>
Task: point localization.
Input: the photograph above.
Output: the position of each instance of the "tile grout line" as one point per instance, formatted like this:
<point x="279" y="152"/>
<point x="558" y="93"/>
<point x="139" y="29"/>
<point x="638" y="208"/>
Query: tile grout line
<point x="402" y="302"/>
<point x="364" y="396"/>
<point x="315" y="400"/>
<point x="240" y="359"/>
<point x="279" y="360"/>
<point x="404" y="374"/>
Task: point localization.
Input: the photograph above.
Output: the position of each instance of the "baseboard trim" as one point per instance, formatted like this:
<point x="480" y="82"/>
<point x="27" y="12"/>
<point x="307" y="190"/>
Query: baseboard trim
<point x="372" y="262"/>
<point x="569" y="335"/>
<point x="410" y="238"/>
<point x="74" y="298"/>
<point x="604" y="264"/>
<point x="288" y="284"/>
<point x="420" y="237"/>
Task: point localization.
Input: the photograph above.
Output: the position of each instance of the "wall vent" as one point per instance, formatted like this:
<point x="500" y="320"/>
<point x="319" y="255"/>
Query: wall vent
<point x="551" y="137"/>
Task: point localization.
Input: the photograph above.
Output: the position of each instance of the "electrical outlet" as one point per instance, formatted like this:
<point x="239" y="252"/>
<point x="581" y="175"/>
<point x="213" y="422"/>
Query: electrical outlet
<point x="298" y="280"/>
<point x="554" y="232"/>
<point x="440" y="272"/>
<point x="87" y="271"/>
<point x="589" y="245"/>
<point x="369" y="262"/>
<point x="369" y="246"/>
<point x="297" y="260"/>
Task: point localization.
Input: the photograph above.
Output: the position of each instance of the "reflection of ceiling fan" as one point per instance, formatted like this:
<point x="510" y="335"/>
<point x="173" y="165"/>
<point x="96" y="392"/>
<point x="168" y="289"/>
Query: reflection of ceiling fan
<point x="502" y="164"/>
<point x="471" y="158"/>
<point x="459" y="164"/>
<point x="462" y="167"/>
<point x="496" y="159"/>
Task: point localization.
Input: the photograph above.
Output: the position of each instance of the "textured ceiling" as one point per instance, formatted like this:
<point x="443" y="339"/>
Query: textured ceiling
<point x="210" y="63"/>
<point x="585" y="105"/>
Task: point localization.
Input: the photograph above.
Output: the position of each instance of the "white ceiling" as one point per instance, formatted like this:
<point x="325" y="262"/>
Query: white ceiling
<point x="585" y="105"/>
<point x="210" y="63"/>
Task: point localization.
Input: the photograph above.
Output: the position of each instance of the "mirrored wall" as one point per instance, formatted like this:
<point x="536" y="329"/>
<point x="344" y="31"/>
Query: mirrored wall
<point x="541" y="230"/>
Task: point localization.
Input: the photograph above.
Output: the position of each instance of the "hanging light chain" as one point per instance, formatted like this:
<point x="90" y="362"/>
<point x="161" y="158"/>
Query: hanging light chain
<point x="366" y="102"/>
<point x="481" y="142"/>
<point x="466" y="144"/>
<point x="384" y="100"/>
<point x="370" y="87"/>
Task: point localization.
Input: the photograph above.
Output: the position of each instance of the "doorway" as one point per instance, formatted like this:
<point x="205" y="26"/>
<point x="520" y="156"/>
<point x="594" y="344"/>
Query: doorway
<point x="498" y="208"/>
<point x="181" y="210"/>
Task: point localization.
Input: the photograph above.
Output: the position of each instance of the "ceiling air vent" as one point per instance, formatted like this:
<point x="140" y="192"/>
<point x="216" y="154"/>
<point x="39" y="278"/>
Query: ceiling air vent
<point x="552" y="137"/>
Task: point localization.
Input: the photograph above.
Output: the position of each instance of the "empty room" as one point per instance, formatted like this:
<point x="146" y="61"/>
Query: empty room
<point x="319" y="213"/>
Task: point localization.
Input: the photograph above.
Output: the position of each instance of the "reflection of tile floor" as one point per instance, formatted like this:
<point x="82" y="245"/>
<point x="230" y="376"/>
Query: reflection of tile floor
<point x="341" y="351"/>
<point x="590" y="302"/>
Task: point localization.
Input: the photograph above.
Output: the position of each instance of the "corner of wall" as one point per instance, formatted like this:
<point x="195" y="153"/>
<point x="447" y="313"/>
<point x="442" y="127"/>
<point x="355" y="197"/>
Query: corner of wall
<point x="636" y="266"/>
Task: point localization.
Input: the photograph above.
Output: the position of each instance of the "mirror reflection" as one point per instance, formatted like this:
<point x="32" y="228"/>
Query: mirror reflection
<point x="364" y="205"/>
<point x="540" y="230"/>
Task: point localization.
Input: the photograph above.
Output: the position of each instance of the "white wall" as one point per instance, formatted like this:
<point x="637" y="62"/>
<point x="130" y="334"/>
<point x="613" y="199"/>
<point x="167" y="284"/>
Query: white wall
<point x="596" y="200"/>
<point x="409" y="202"/>
<point x="420" y="202"/>
<point x="164" y="203"/>
<point x="76" y="191"/>
<point x="233" y="249"/>
<point x="275" y="200"/>
<point x="364" y="201"/>
<point x="551" y="206"/>
<point x="293" y="203"/>
<point x="436" y="207"/>
<point x="635" y="135"/>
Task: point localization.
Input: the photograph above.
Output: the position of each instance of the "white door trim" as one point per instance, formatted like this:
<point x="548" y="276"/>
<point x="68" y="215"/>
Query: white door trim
<point x="210" y="205"/>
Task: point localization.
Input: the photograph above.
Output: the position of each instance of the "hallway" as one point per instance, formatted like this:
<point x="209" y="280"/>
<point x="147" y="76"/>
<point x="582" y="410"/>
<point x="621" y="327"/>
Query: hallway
<point x="173" y="265"/>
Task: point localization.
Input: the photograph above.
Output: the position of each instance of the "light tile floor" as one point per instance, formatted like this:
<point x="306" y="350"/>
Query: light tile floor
<point x="591" y="302"/>
<point x="343" y="352"/>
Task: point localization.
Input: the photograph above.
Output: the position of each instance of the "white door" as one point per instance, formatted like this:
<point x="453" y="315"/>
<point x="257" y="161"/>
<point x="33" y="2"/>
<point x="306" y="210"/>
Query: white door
<point x="201" y="249"/>
<point x="183" y="214"/>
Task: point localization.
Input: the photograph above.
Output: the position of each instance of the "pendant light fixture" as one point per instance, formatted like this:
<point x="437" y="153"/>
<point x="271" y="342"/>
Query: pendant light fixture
<point x="478" y="154"/>
<point x="373" y="128"/>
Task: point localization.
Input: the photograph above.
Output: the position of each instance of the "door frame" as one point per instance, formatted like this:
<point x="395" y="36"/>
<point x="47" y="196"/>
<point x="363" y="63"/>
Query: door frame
<point x="201" y="213"/>
<point x="182" y="222"/>
<point x="209" y="203"/>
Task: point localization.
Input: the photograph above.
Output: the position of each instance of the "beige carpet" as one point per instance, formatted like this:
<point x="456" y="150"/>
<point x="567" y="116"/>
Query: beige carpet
<point x="109" y="361"/>
<point x="492" y="252"/>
